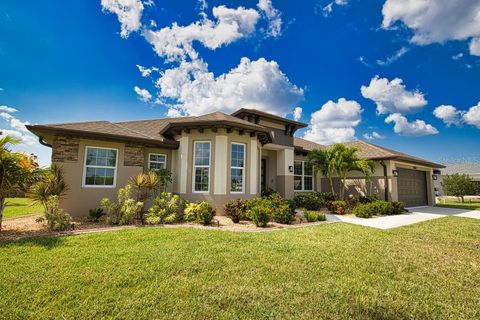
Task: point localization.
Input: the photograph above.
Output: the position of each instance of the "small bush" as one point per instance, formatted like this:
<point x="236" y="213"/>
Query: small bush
<point x="310" y="216"/>
<point x="283" y="211"/>
<point x="378" y="207"/>
<point x="199" y="212"/>
<point x="321" y="216"/>
<point x="124" y="211"/>
<point x="95" y="214"/>
<point x="338" y="207"/>
<point x="57" y="219"/>
<point x="381" y="207"/>
<point x="267" y="192"/>
<point x="398" y="207"/>
<point x="260" y="215"/>
<point x="236" y="210"/>
<point x="167" y="208"/>
<point x="365" y="199"/>
<point x="363" y="211"/>
<point x="309" y="200"/>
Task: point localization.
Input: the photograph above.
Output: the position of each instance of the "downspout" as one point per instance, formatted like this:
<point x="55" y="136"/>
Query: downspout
<point x="385" y="176"/>
<point x="43" y="143"/>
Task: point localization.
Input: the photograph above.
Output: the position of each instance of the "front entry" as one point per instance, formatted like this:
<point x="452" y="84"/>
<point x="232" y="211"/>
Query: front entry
<point x="264" y="174"/>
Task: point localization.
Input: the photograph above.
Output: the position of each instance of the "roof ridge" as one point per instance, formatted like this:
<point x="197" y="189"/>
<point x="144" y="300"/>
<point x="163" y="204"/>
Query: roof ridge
<point x="393" y="152"/>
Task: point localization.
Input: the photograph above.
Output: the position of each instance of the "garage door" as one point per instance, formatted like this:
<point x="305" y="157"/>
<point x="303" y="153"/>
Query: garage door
<point x="412" y="187"/>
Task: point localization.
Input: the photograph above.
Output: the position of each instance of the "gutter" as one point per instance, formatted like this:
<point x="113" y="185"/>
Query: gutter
<point x="43" y="143"/>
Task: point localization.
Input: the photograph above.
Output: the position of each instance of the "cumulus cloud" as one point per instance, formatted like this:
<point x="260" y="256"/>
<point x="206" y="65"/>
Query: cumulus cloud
<point x="16" y="127"/>
<point x="129" y="14"/>
<point x="373" y="136"/>
<point x="449" y="115"/>
<point x="435" y="21"/>
<point x="297" y="113"/>
<point x="143" y="94"/>
<point x="472" y="116"/>
<point x="256" y="84"/>
<point x="393" y="96"/>
<point x="415" y="128"/>
<point x="175" y="43"/>
<point x="475" y="46"/>
<point x="146" y="72"/>
<point x="274" y="17"/>
<point x="335" y="122"/>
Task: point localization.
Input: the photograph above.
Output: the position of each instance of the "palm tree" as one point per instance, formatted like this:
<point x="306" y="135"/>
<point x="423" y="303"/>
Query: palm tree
<point x="366" y="167"/>
<point x="51" y="183"/>
<point x="344" y="160"/>
<point x="15" y="169"/>
<point x="321" y="160"/>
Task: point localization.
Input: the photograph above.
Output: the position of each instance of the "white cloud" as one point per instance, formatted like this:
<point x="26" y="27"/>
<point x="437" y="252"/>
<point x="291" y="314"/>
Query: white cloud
<point x="143" y="94"/>
<point x="395" y="57"/>
<point x="457" y="56"/>
<point x="472" y="116"/>
<point x="475" y="46"/>
<point x="373" y="136"/>
<point x="392" y="96"/>
<point x="335" y="122"/>
<point x="175" y="43"/>
<point x="415" y="128"/>
<point x="274" y="17"/>
<point x="8" y="109"/>
<point x="297" y="113"/>
<point x="129" y="14"/>
<point x="17" y="127"/>
<point x="449" y="115"/>
<point x="146" y="72"/>
<point x="328" y="9"/>
<point x="435" y="21"/>
<point x="256" y="84"/>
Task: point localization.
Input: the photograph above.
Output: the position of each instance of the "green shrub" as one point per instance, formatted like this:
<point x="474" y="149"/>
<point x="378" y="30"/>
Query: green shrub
<point x="260" y="215"/>
<point x="381" y="207"/>
<point x="57" y="219"/>
<point x="166" y="208"/>
<point x="309" y="200"/>
<point x="199" y="212"/>
<point x="365" y="199"/>
<point x="95" y="214"/>
<point x="310" y="216"/>
<point x="321" y="216"/>
<point x="236" y="210"/>
<point x="124" y="211"/>
<point x="267" y="192"/>
<point x="363" y="211"/>
<point x="283" y="210"/>
<point x="398" y="207"/>
<point x="338" y="207"/>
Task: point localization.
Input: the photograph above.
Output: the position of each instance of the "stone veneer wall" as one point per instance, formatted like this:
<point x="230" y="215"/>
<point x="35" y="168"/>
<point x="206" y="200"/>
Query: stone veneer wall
<point x="134" y="155"/>
<point x="65" y="149"/>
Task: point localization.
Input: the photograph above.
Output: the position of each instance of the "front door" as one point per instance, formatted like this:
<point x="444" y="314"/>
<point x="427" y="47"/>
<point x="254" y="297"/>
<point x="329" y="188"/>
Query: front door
<point x="264" y="174"/>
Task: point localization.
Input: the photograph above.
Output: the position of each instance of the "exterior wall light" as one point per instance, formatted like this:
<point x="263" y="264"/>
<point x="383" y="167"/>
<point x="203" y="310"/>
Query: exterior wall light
<point x="395" y="173"/>
<point x="434" y="177"/>
<point x="290" y="168"/>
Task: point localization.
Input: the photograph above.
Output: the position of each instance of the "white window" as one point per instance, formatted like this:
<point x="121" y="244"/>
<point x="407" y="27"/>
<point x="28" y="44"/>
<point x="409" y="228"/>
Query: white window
<point x="157" y="161"/>
<point x="237" y="165"/>
<point x="100" y="167"/>
<point x="201" y="166"/>
<point x="303" y="176"/>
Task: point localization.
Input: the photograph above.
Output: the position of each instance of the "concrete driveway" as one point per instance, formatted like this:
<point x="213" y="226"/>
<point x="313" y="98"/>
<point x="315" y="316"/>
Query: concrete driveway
<point x="415" y="215"/>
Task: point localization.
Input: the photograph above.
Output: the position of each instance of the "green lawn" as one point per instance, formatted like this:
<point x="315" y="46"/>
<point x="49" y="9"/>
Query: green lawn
<point x="471" y="205"/>
<point x="18" y="207"/>
<point x="336" y="271"/>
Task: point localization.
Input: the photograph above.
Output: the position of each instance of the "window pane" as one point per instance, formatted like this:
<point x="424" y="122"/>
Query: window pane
<point x="201" y="179"/>
<point x="157" y="165"/>
<point x="101" y="157"/>
<point x="308" y="169"/>
<point x="308" y="183"/>
<point x="238" y="154"/>
<point x="297" y="182"/>
<point x="297" y="167"/>
<point x="157" y="157"/>
<point x="237" y="180"/>
<point x="202" y="154"/>
<point x="99" y="176"/>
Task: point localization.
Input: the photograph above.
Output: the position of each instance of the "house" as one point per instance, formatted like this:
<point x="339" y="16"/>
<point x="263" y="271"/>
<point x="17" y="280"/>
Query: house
<point x="216" y="157"/>
<point x="470" y="168"/>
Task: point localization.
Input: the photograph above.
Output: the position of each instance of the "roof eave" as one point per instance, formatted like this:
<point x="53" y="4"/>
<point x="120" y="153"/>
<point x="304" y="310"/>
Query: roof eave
<point x="270" y="116"/>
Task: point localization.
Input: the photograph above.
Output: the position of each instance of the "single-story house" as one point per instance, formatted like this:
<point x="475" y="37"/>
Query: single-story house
<point x="470" y="168"/>
<point x="216" y="157"/>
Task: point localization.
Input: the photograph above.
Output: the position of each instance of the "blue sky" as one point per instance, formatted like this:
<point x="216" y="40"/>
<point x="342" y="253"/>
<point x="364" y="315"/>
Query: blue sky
<point x="65" y="61"/>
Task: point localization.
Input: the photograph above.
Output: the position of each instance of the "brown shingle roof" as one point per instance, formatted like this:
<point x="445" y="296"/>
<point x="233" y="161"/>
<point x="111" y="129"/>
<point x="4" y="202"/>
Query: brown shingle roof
<point x="306" y="145"/>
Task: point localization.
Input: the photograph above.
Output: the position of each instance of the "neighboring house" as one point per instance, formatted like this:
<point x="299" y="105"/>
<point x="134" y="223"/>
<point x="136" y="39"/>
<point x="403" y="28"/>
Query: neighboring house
<point x="216" y="157"/>
<point x="472" y="169"/>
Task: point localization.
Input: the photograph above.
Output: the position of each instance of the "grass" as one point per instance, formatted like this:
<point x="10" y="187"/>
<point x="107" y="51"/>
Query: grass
<point x="429" y="270"/>
<point x="18" y="207"/>
<point x="468" y="204"/>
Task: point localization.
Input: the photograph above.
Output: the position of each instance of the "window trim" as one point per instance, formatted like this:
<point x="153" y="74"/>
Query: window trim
<point x="84" y="175"/>
<point x="303" y="175"/>
<point x="243" y="168"/>
<point x="157" y="154"/>
<point x="202" y="166"/>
